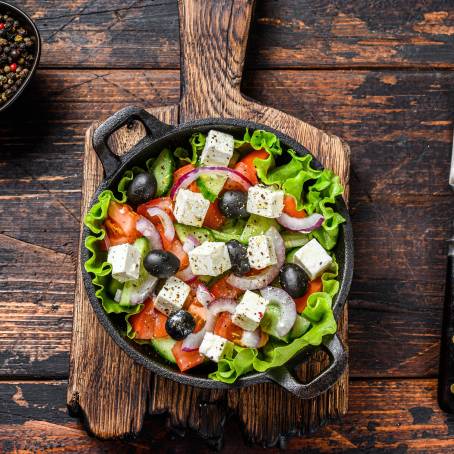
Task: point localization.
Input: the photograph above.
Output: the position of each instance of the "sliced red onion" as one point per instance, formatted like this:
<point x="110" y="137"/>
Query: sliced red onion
<point x="186" y="275"/>
<point x="169" y="229"/>
<point x="304" y="225"/>
<point x="251" y="339"/>
<point x="191" y="176"/>
<point x="286" y="305"/>
<point x="203" y="295"/>
<point x="148" y="230"/>
<point x="269" y="274"/>
<point x="190" y="243"/>
<point x="144" y="291"/>
<point x="193" y="341"/>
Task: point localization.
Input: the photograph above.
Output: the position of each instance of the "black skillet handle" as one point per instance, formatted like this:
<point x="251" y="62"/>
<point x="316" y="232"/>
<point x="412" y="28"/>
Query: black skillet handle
<point x="446" y="376"/>
<point x="285" y="376"/>
<point x="110" y="161"/>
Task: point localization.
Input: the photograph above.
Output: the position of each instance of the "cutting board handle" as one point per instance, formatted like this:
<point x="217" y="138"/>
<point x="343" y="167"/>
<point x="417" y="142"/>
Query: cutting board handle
<point x="213" y="35"/>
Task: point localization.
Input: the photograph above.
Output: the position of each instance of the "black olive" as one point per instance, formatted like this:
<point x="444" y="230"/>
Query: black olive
<point x="238" y="257"/>
<point x="161" y="264"/>
<point x="233" y="204"/>
<point x="142" y="188"/>
<point x="180" y="324"/>
<point x="293" y="280"/>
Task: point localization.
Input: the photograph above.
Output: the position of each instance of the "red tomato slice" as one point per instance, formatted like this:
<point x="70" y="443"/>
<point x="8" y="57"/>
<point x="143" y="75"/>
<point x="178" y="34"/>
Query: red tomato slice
<point x="247" y="168"/>
<point x="160" y="325"/>
<point x="143" y="323"/>
<point x="224" y="327"/>
<point x="186" y="360"/>
<point x="222" y="289"/>
<point x="177" y="249"/>
<point x="121" y="224"/>
<point x="200" y="315"/>
<point x="290" y="207"/>
<point x="214" y="219"/>
<point x="165" y="203"/>
<point x="314" y="287"/>
<point x="114" y="234"/>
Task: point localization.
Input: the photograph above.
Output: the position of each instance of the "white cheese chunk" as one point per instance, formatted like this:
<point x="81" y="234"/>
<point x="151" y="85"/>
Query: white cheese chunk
<point x="261" y="252"/>
<point x="172" y="296"/>
<point x="215" y="347"/>
<point x="210" y="259"/>
<point x="190" y="208"/>
<point x="125" y="261"/>
<point x="313" y="258"/>
<point x="250" y="311"/>
<point x="218" y="149"/>
<point x="265" y="201"/>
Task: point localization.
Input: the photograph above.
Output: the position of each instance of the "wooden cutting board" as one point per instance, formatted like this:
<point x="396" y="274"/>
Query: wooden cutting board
<point x="110" y="391"/>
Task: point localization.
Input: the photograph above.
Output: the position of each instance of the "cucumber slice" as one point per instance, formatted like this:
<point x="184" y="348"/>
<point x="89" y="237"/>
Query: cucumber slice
<point x="202" y="234"/>
<point x="289" y="257"/>
<point x="113" y="286"/>
<point x="294" y="239"/>
<point x="257" y="225"/>
<point x="211" y="186"/>
<point x="270" y="319"/>
<point x="164" y="348"/>
<point x="144" y="280"/>
<point x="163" y="169"/>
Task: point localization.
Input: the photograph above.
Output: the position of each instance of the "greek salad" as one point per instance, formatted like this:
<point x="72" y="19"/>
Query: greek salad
<point x="220" y="252"/>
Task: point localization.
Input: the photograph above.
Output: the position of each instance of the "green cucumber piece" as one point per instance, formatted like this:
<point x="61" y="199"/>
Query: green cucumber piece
<point x="211" y="185"/>
<point x="294" y="239"/>
<point x="131" y="287"/>
<point x="163" y="168"/>
<point x="289" y="257"/>
<point x="257" y="225"/>
<point x="202" y="234"/>
<point x="113" y="286"/>
<point x="271" y="318"/>
<point x="164" y="348"/>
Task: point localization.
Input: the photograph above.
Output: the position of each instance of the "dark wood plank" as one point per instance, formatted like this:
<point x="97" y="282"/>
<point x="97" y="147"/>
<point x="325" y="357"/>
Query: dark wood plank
<point x="385" y="416"/>
<point x="399" y="128"/>
<point x="290" y="33"/>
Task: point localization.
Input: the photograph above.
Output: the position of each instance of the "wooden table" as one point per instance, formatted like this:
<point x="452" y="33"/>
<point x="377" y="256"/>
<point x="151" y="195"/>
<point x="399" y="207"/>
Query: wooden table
<point x="379" y="76"/>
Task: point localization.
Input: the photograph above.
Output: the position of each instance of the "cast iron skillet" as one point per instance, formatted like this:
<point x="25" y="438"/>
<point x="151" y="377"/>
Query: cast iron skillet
<point x="160" y="135"/>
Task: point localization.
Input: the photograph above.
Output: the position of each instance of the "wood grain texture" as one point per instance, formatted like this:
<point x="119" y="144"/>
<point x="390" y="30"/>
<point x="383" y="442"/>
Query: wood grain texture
<point x="290" y="33"/>
<point x="399" y="127"/>
<point x="105" y="386"/>
<point x="385" y="416"/>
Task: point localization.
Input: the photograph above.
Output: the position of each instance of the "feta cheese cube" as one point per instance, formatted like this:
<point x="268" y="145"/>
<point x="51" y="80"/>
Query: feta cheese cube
<point x="250" y="311"/>
<point x="215" y="347"/>
<point x="190" y="208"/>
<point x="210" y="259"/>
<point x="172" y="296"/>
<point x="313" y="258"/>
<point x="261" y="252"/>
<point x="125" y="261"/>
<point x="218" y="149"/>
<point x="265" y="201"/>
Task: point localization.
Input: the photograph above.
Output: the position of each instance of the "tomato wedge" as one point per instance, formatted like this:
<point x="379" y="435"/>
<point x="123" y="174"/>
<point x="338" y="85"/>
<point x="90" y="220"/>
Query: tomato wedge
<point x="314" y="287"/>
<point x="176" y="248"/>
<point x="214" y="219"/>
<point x="247" y="168"/>
<point x="143" y="322"/>
<point x="160" y="325"/>
<point x="186" y="360"/>
<point x="121" y="224"/>
<point x="199" y="313"/>
<point x="224" y="327"/>
<point x="290" y="207"/>
<point x="222" y="289"/>
<point x="165" y="203"/>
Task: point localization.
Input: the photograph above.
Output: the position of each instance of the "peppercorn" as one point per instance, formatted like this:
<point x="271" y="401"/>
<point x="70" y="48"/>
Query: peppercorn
<point x="17" y="47"/>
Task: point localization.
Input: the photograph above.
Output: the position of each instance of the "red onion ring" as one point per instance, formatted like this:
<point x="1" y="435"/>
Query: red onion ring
<point x="186" y="275"/>
<point x="203" y="295"/>
<point x="148" y="230"/>
<point x="193" y="341"/>
<point x="190" y="243"/>
<point x="269" y="274"/>
<point x="169" y="229"/>
<point x="191" y="176"/>
<point x="303" y="225"/>
<point x="286" y="305"/>
<point x="251" y="339"/>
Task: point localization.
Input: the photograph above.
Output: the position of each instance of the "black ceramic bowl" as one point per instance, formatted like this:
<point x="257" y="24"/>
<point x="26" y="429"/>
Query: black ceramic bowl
<point x="159" y="136"/>
<point x="27" y="23"/>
